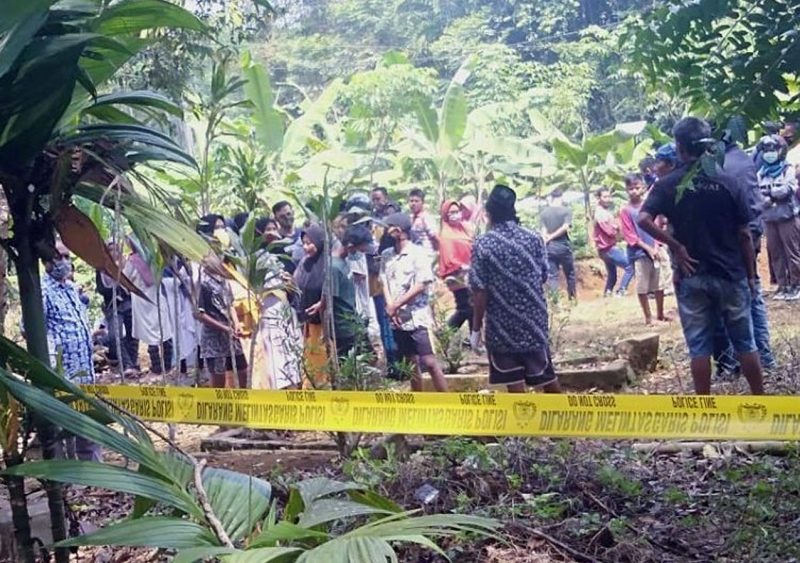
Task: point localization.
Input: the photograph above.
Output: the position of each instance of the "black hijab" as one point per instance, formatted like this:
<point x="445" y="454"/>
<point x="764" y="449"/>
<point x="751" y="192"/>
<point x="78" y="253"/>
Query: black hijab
<point x="310" y="274"/>
<point x="207" y="223"/>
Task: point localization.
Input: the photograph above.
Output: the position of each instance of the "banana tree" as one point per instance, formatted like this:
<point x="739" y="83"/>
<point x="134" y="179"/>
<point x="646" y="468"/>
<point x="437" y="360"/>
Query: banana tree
<point x="57" y="133"/>
<point x="596" y="159"/>
<point x="307" y="150"/>
<point x="486" y="154"/>
<point x="441" y="131"/>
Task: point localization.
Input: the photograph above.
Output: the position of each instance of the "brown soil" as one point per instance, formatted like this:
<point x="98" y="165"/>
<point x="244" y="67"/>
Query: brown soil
<point x="610" y="503"/>
<point x="265" y="463"/>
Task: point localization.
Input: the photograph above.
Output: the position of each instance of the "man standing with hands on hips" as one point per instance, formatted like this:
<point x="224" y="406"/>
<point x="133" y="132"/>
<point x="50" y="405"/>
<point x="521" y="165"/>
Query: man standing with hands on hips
<point x="507" y="277"/>
<point x="713" y="250"/>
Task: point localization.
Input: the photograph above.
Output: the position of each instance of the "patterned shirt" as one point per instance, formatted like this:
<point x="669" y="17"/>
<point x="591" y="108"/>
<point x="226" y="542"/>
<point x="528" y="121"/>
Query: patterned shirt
<point x="68" y="333"/>
<point x="402" y="271"/>
<point x="216" y="300"/>
<point x="510" y="264"/>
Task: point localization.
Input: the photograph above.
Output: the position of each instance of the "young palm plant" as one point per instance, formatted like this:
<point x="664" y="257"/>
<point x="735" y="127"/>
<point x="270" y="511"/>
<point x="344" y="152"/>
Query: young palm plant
<point x="200" y="513"/>
<point x="59" y="137"/>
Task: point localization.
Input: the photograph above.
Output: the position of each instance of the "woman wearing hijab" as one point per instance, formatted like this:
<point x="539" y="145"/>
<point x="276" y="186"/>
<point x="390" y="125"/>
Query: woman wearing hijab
<point x="310" y="279"/>
<point x="455" y="251"/>
<point x="277" y="362"/>
<point x="220" y="345"/>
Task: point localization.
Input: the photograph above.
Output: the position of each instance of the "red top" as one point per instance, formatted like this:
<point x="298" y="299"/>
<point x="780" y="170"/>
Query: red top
<point x="455" y="243"/>
<point x="605" y="230"/>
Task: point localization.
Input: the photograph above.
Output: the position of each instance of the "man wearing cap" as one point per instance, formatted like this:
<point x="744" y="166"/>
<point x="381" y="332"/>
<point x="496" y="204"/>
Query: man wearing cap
<point x="358" y="207"/>
<point x="739" y="165"/>
<point x="356" y="244"/>
<point x="507" y="277"/>
<point x="666" y="160"/>
<point x="407" y="276"/>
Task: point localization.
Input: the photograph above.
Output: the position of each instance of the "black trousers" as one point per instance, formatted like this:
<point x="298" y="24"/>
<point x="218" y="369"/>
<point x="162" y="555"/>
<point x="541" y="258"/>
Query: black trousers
<point x="559" y="255"/>
<point x="463" y="310"/>
<point x="155" y="357"/>
<point x="129" y="345"/>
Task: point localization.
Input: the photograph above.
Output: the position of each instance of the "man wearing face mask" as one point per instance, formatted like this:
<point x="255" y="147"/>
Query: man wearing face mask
<point x="284" y="215"/>
<point x="356" y="243"/>
<point x="68" y="335"/>
<point x="406" y="274"/>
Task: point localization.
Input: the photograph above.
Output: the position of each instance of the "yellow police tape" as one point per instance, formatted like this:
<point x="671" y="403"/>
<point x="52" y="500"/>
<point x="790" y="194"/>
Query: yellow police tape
<point x="497" y="414"/>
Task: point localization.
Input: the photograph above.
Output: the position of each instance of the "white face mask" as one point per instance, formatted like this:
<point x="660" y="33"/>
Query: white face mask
<point x="770" y="157"/>
<point x="223" y="237"/>
<point x="454" y="217"/>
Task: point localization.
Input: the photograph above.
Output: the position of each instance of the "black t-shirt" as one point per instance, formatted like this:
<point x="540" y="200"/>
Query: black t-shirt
<point x="739" y="165"/>
<point x="706" y="219"/>
<point x="553" y="218"/>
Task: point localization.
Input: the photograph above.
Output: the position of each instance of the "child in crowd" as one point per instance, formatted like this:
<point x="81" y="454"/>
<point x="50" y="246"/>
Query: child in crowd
<point x="643" y="250"/>
<point x="605" y="229"/>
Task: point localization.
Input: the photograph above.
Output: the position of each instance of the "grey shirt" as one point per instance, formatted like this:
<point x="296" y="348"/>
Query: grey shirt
<point x="553" y="217"/>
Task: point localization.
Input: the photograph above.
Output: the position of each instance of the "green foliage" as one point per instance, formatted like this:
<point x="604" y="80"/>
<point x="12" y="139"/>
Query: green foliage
<point x="45" y="68"/>
<point x="599" y="160"/>
<point x="726" y="57"/>
<point x="322" y="520"/>
<point x="267" y="120"/>
<point x="389" y="90"/>
<point x="611" y="477"/>
<point x="449" y="342"/>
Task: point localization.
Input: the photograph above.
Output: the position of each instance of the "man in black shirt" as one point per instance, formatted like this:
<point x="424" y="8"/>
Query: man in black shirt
<point x="556" y="219"/>
<point x="714" y="254"/>
<point x="739" y="165"/>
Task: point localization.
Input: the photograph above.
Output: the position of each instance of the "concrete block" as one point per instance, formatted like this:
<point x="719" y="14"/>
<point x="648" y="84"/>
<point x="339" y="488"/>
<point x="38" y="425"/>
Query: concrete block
<point x="640" y="351"/>
<point x="610" y="376"/>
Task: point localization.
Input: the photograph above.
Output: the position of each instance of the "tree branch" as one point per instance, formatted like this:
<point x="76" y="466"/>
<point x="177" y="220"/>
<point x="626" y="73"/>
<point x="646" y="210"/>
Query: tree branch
<point x="211" y="517"/>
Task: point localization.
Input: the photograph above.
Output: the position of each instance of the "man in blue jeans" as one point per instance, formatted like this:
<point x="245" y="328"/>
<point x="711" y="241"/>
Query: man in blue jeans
<point x="739" y="165"/>
<point x="604" y="233"/>
<point x="714" y="254"/>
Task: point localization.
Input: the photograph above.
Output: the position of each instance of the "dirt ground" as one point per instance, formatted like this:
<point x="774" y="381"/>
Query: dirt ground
<point x="566" y="500"/>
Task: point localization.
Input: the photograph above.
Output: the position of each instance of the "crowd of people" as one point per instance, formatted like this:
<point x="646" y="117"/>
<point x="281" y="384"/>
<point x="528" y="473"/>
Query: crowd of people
<point x="374" y="275"/>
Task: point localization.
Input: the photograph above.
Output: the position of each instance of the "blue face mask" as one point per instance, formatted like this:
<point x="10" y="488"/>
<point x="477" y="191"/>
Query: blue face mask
<point x="61" y="269"/>
<point x="770" y="157"/>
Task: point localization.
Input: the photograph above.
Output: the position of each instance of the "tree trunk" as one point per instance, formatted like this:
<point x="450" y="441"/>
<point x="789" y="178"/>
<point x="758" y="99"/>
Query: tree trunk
<point x="15" y="485"/>
<point x="19" y="510"/>
<point x="30" y="296"/>
<point x="19" y="516"/>
<point x="3" y="262"/>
